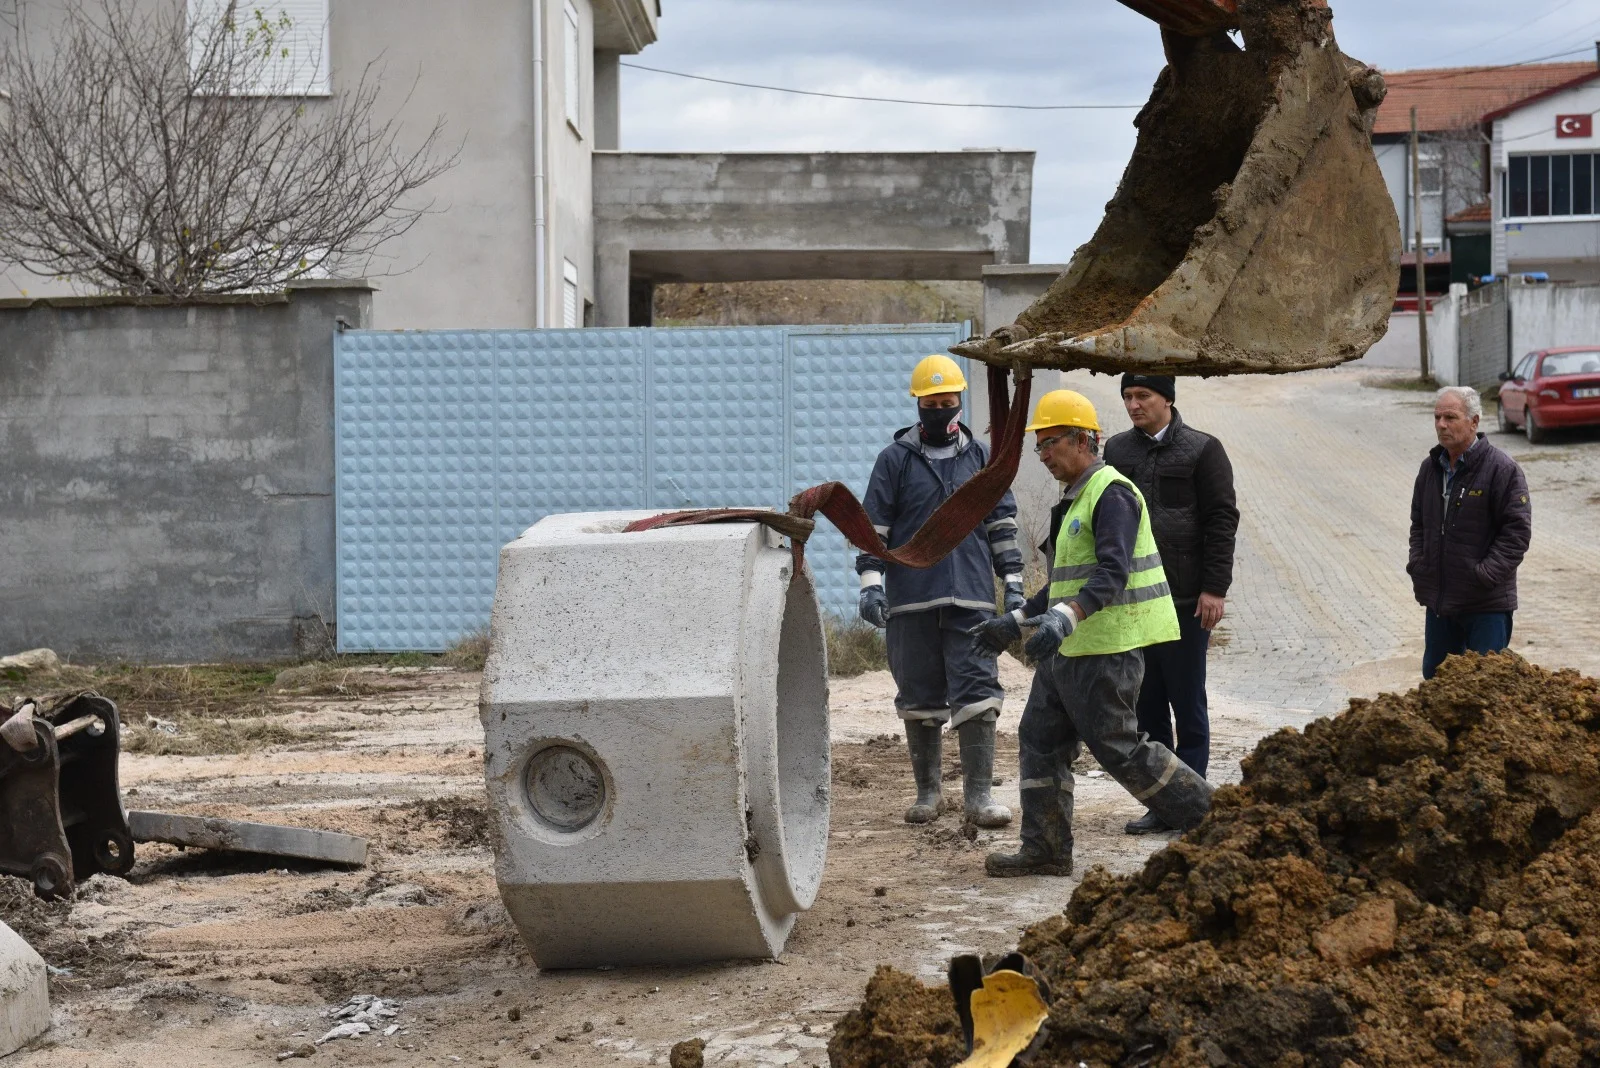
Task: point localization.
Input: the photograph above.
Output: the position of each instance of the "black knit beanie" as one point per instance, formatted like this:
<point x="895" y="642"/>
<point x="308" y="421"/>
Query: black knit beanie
<point x="1165" y="385"/>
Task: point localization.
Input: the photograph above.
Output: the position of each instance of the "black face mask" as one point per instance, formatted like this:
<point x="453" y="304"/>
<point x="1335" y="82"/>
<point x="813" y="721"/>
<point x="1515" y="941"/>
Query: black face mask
<point x="939" y="425"/>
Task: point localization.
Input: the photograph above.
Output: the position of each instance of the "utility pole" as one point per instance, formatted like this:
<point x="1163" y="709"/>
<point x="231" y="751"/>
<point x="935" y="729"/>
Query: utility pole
<point x="1416" y="249"/>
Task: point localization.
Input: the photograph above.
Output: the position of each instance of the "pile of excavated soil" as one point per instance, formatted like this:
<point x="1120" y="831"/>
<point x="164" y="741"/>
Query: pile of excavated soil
<point x="1415" y="881"/>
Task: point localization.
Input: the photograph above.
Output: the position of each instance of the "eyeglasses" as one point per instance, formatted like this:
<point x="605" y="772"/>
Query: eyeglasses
<point x="1048" y="443"/>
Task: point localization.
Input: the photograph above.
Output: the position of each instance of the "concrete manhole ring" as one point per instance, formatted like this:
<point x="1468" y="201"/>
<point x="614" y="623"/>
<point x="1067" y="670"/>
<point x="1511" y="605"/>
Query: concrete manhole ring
<point x="566" y="788"/>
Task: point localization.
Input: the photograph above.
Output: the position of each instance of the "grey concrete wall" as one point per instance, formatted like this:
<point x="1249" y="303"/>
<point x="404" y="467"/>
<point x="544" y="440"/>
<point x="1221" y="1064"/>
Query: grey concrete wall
<point x="607" y="101"/>
<point x="720" y="217"/>
<point x="170" y="476"/>
<point x="1007" y="289"/>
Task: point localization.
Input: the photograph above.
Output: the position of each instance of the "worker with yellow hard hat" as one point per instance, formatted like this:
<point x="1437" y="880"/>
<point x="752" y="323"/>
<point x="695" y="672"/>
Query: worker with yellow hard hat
<point x="928" y="613"/>
<point x="1106" y="601"/>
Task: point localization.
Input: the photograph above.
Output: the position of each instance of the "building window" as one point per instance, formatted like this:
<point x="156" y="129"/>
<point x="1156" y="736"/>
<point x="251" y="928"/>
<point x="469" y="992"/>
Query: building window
<point x="574" y="69"/>
<point x="1539" y="186"/>
<point x="291" y="35"/>
<point x="1430" y="171"/>
<point x="569" y="294"/>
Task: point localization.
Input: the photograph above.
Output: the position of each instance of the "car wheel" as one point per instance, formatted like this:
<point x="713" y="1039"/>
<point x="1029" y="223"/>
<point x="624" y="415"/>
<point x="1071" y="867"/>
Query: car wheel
<point x="1505" y="424"/>
<point x="1537" y="435"/>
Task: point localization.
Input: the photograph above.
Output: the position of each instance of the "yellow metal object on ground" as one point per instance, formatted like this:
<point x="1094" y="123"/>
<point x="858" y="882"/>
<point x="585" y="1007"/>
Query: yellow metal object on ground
<point x="1006" y="1014"/>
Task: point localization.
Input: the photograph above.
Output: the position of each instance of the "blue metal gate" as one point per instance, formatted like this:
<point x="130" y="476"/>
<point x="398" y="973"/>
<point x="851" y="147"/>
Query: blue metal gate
<point x="451" y="443"/>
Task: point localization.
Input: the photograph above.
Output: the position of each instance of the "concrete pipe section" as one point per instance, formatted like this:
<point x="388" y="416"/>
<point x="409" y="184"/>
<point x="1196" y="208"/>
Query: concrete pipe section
<point x="655" y="715"/>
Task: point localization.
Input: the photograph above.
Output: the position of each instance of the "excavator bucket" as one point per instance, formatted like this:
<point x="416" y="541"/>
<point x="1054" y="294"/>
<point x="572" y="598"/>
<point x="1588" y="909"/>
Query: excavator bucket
<point x="1251" y="231"/>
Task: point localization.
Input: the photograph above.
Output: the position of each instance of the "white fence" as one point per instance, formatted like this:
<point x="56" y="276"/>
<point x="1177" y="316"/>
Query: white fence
<point x="1542" y="316"/>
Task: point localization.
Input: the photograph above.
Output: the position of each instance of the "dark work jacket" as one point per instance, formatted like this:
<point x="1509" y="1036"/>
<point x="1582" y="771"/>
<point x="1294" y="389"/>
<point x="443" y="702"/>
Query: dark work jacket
<point x="1465" y="552"/>
<point x="1187" y="483"/>
<point x="905" y="488"/>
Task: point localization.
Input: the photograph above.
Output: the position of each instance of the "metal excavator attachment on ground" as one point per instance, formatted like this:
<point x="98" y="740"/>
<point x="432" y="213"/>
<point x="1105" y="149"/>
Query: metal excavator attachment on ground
<point x="1251" y="231"/>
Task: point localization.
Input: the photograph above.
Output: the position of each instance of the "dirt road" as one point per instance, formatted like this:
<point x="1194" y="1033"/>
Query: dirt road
<point x="203" y="960"/>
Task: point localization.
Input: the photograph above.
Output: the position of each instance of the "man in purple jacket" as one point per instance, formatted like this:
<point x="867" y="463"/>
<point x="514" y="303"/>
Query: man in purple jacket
<point x="1470" y="527"/>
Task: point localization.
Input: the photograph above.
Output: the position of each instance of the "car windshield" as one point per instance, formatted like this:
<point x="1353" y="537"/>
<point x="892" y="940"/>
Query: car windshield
<point x="1571" y="363"/>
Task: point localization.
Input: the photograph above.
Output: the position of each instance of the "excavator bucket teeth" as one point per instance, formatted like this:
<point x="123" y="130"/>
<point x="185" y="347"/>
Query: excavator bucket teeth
<point x="1252" y="230"/>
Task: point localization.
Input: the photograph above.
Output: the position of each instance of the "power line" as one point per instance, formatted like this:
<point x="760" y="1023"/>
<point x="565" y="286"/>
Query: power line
<point x="1526" y="25"/>
<point x="1462" y="72"/>
<point x="890" y="99"/>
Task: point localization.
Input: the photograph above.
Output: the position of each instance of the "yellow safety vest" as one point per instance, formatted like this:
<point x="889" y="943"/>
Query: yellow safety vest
<point x="1143" y="613"/>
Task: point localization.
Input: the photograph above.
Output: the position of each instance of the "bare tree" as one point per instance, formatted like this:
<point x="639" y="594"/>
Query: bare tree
<point x="1461" y="152"/>
<point x="144" y="155"/>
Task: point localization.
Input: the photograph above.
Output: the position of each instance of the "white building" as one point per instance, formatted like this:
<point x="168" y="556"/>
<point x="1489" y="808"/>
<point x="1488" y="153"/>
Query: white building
<point x="527" y="89"/>
<point x="1545" y="200"/>
<point x="544" y="222"/>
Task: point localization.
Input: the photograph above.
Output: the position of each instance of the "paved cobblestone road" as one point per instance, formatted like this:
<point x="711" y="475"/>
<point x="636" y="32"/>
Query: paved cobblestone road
<point x="1321" y="607"/>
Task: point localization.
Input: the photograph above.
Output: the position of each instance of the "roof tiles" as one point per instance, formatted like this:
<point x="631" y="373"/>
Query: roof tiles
<point x="1450" y="98"/>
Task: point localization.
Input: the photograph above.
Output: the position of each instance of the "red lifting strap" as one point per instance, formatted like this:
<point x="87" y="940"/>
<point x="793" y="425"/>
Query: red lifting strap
<point x="946" y="528"/>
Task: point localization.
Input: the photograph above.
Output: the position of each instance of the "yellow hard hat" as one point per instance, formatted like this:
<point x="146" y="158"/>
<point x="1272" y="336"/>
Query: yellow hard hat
<point x="937" y="374"/>
<point x="1064" y="407"/>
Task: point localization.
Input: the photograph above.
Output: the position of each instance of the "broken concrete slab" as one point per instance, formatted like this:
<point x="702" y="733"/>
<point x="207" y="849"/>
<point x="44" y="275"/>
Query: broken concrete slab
<point x="24" y="993"/>
<point x="207" y="832"/>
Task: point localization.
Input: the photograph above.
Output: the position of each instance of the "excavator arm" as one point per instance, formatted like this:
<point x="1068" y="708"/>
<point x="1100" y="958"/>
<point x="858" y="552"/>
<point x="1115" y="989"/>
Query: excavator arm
<point x="1192" y="18"/>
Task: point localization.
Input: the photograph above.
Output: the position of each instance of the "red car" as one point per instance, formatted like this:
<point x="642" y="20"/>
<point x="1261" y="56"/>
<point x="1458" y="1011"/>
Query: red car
<point x="1552" y="388"/>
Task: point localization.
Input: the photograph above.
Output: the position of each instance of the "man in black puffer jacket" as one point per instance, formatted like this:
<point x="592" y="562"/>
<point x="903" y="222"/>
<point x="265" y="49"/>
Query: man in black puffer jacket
<point x="1187" y="480"/>
<point x="1471" y="522"/>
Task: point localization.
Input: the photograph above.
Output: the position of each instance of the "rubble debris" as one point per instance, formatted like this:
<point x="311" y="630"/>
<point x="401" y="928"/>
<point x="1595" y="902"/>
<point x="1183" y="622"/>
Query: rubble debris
<point x="24" y="993"/>
<point x="365" y="1008"/>
<point x="690" y="1053"/>
<point x="239" y="836"/>
<point x="304" y="1050"/>
<point x="1411" y="882"/>
<point x="31" y="660"/>
<point x="345" y="1030"/>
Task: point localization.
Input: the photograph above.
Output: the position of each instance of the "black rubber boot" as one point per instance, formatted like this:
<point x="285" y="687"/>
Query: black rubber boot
<point x="977" y="774"/>
<point x="1046" y="833"/>
<point x="1149" y="823"/>
<point x="922" y="738"/>
<point x="1022" y="862"/>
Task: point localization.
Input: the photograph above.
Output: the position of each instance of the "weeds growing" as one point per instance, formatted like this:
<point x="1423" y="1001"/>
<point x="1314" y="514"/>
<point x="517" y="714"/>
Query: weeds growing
<point x="854" y="647"/>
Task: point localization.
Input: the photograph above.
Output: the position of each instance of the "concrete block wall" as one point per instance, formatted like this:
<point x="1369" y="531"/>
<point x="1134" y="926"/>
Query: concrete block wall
<point x="1552" y="315"/>
<point x="170" y="477"/>
<point x="761" y="216"/>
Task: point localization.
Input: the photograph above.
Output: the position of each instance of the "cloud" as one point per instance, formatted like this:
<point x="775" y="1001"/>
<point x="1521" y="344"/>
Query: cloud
<point x="1021" y="51"/>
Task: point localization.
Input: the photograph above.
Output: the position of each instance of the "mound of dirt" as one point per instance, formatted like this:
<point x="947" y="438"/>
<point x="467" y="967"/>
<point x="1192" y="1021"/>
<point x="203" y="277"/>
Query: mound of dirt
<point x="1413" y="882"/>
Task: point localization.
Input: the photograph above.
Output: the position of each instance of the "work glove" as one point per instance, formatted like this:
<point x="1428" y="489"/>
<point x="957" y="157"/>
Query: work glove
<point x="1054" y="628"/>
<point x="874" y="606"/>
<point x="1014" y="598"/>
<point x="994" y="636"/>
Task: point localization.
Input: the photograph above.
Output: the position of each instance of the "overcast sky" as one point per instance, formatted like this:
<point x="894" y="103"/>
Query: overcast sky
<point x="1000" y="51"/>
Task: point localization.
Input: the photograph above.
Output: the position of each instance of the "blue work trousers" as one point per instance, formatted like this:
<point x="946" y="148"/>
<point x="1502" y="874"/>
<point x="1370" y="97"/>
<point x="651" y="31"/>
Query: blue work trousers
<point x="940" y="674"/>
<point x="1469" y="632"/>
<point x="1174" y="692"/>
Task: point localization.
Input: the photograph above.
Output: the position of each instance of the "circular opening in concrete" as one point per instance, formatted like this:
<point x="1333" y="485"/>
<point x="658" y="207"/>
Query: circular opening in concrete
<point x="566" y="788"/>
<point x="803" y="761"/>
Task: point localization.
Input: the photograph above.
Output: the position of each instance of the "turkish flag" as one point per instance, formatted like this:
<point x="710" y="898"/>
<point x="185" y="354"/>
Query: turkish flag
<point x="1574" y="125"/>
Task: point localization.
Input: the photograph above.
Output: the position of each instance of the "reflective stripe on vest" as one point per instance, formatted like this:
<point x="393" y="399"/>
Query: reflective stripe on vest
<point x="1142" y="613"/>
